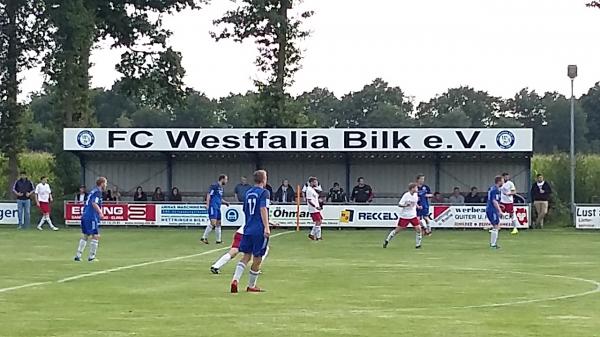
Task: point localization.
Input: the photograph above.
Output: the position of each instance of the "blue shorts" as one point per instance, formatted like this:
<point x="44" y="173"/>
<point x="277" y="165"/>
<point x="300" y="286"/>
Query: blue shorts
<point x="90" y="226"/>
<point x="493" y="217"/>
<point x="214" y="213"/>
<point x="423" y="213"/>
<point x="254" y="244"/>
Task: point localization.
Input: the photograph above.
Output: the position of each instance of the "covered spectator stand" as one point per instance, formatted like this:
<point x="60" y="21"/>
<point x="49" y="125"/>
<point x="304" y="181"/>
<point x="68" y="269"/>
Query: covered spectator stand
<point x="388" y="159"/>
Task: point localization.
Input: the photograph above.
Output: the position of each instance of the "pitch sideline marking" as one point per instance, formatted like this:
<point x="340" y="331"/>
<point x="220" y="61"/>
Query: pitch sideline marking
<point x="112" y="270"/>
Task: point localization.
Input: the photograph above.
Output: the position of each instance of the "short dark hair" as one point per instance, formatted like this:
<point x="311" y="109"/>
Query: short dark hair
<point x="505" y="174"/>
<point x="456" y="188"/>
<point x="539" y="175"/>
<point x="260" y="176"/>
<point x="498" y="179"/>
<point x="23" y="172"/>
<point x="359" y="178"/>
<point x="419" y="176"/>
<point x="336" y="184"/>
<point x="473" y="188"/>
<point x="44" y="177"/>
<point x="222" y="176"/>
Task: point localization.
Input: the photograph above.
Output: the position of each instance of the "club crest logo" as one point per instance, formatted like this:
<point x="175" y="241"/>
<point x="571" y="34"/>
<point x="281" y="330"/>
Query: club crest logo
<point x="505" y="139"/>
<point x="86" y="139"/>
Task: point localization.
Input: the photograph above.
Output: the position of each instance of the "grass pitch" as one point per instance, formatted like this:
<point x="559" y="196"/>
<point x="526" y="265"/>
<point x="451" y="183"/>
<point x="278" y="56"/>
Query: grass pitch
<point x="157" y="283"/>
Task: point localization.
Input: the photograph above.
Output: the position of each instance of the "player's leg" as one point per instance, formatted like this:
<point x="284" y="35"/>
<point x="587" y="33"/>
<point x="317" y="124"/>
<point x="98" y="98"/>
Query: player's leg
<point x="43" y="219"/>
<point x="313" y="231"/>
<point x="246" y="248"/>
<point x="209" y="227"/>
<point x="418" y="232"/>
<point x="259" y="248"/>
<point x="494" y="219"/>
<point x="401" y="225"/>
<point x="318" y="223"/>
<point x="94" y="243"/>
<point x="218" y="232"/>
<point x="82" y="243"/>
<point x="223" y="260"/>
<point x="49" y="220"/>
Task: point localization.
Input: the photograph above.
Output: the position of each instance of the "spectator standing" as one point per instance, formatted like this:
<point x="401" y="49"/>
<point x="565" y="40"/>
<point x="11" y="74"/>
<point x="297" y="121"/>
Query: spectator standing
<point x="175" y="195"/>
<point x="541" y="193"/>
<point x="362" y="192"/>
<point x="116" y="194"/>
<point x="337" y="194"/>
<point x="438" y="198"/>
<point x="81" y="195"/>
<point x="241" y="189"/>
<point x="270" y="189"/>
<point x="456" y="198"/>
<point x="285" y="192"/>
<point x="23" y="188"/>
<point x="109" y="196"/>
<point x="158" y="195"/>
<point x="43" y="195"/>
<point x="140" y="195"/>
<point x="474" y="197"/>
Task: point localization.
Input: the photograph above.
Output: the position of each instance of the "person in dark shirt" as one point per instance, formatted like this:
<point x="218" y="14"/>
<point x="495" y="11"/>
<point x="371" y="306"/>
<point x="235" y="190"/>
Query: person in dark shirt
<point x="285" y="192"/>
<point x="337" y="194"/>
<point x="241" y="189"/>
<point x="81" y="195"/>
<point x="362" y="192"/>
<point x="540" y="193"/>
<point x="270" y="189"/>
<point x="158" y="195"/>
<point x="175" y="195"/>
<point x="474" y="197"/>
<point x="140" y="195"/>
<point x="23" y="189"/>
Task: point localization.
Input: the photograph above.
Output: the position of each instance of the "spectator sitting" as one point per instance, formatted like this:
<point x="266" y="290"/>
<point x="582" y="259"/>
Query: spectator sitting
<point x="140" y="195"/>
<point x="116" y="194"/>
<point x="175" y="195"/>
<point x="158" y="195"/>
<point x="362" y="192"/>
<point x="285" y="192"/>
<point x="81" y="195"/>
<point x="336" y="194"/>
<point x="456" y="198"/>
<point x="241" y="189"/>
<point x="108" y="196"/>
<point x="438" y="198"/>
<point x="473" y="197"/>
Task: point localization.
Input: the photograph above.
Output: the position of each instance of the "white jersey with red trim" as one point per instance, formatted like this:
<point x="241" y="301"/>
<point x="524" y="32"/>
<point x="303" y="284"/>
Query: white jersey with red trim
<point x="508" y="187"/>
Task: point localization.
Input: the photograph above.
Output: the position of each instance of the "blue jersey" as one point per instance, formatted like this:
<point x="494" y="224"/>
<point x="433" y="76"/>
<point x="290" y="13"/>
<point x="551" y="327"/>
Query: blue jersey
<point x="493" y="194"/>
<point x="423" y="191"/>
<point x="255" y="199"/>
<point x="89" y="212"/>
<point x="216" y="195"/>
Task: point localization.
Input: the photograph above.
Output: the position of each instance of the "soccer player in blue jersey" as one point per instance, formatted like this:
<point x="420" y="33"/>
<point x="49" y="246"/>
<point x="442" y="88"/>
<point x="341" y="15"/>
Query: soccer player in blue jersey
<point x="256" y="232"/>
<point x="423" y="212"/>
<point x="493" y="210"/>
<point x="214" y="199"/>
<point x="90" y="220"/>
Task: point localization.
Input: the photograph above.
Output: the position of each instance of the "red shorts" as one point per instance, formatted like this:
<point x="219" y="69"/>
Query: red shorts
<point x="403" y="223"/>
<point x="45" y="207"/>
<point x="507" y="208"/>
<point x="316" y="217"/>
<point x="237" y="238"/>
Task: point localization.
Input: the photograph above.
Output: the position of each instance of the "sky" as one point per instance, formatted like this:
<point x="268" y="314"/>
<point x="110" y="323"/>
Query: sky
<point x="424" y="47"/>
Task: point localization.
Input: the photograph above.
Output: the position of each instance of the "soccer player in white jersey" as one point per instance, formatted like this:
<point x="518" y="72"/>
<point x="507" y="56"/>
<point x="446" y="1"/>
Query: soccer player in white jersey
<point x="508" y="190"/>
<point x="314" y="208"/>
<point x="43" y="195"/>
<point x="408" y="216"/>
<point x="233" y="251"/>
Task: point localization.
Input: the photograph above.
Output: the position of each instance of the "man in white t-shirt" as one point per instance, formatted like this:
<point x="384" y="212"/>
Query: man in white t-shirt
<point x="43" y="195"/>
<point x="314" y="208"/>
<point x="408" y="216"/>
<point x="508" y="191"/>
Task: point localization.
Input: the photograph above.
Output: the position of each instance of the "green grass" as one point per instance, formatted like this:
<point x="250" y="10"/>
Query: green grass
<point x="346" y="285"/>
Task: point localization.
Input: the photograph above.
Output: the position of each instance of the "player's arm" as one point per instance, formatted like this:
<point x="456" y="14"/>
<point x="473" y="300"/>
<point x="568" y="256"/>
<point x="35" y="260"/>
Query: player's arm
<point x="497" y="206"/>
<point x="208" y="197"/>
<point x="35" y="193"/>
<point x="428" y="194"/>
<point x="264" y="213"/>
<point x="404" y="203"/>
<point x="97" y="207"/>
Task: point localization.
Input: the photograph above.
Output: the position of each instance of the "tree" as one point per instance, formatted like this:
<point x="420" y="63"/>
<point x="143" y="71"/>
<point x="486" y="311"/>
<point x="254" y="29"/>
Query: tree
<point x="277" y="36"/>
<point x="151" y="70"/>
<point x="198" y="111"/>
<point x="238" y="111"/>
<point x="590" y="103"/>
<point x="554" y="135"/>
<point x="594" y="4"/>
<point x="527" y="108"/>
<point x="110" y="105"/>
<point x="478" y="106"/>
<point x="23" y="39"/>
<point x="322" y="106"/>
<point x="375" y="103"/>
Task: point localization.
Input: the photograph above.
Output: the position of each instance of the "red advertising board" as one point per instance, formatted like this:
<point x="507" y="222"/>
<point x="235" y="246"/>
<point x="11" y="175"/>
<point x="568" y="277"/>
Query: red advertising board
<point x="115" y="214"/>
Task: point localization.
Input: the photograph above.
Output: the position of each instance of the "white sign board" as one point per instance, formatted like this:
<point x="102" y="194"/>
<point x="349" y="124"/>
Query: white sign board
<point x="9" y="214"/>
<point x="290" y="140"/>
<point x="587" y="217"/>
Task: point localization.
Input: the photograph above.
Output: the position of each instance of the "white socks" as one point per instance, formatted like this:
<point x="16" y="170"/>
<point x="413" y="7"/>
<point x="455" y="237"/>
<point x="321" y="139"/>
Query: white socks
<point x="222" y="261"/>
<point x="93" y="249"/>
<point x="494" y="237"/>
<point x="253" y="276"/>
<point x="391" y="235"/>
<point x="207" y="231"/>
<point x="418" y="238"/>
<point x="239" y="271"/>
<point x="46" y="218"/>
<point x="318" y="232"/>
<point x="218" y="231"/>
<point x="515" y="222"/>
<point x="82" y="244"/>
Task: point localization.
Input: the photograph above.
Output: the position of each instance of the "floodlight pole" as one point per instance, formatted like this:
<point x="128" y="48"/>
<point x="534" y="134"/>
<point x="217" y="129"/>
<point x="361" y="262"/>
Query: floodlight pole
<point x="572" y="73"/>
